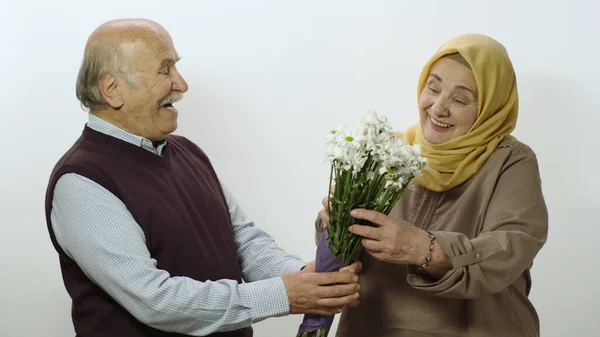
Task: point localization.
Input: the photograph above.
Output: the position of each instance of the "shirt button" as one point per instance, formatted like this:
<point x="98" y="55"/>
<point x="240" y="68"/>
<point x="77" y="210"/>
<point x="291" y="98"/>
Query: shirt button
<point x="477" y="256"/>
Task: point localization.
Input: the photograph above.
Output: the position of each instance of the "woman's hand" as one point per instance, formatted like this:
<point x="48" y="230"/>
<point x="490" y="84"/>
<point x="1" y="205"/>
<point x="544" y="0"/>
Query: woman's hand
<point x="391" y="240"/>
<point x="395" y="241"/>
<point x="323" y="213"/>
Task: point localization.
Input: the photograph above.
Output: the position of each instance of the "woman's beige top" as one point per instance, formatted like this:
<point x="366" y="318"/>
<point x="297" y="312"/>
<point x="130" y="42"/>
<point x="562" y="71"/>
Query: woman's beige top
<point x="491" y="227"/>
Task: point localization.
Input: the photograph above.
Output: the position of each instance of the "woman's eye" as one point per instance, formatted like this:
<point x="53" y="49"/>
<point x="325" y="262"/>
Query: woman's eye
<point x="460" y="102"/>
<point x="433" y="90"/>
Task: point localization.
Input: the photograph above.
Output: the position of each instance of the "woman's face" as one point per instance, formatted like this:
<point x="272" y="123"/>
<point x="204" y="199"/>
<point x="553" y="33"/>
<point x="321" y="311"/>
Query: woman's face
<point x="448" y="103"/>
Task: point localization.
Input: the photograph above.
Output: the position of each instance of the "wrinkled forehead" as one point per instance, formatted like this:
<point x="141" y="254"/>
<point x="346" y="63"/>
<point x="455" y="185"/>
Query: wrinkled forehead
<point x="149" y="48"/>
<point x="452" y="71"/>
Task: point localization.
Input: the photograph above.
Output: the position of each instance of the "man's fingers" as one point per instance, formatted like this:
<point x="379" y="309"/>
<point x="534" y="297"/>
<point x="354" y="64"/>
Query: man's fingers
<point x="335" y="278"/>
<point x="309" y="267"/>
<point x="338" y="301"/>
<point x="373" y="233"/>
<point x="354" y="303"/>
<point x="337" y="290"/>
<point x="308" y="291"/>
<point x="327" y="311"/>
<point x="354" y="268"/>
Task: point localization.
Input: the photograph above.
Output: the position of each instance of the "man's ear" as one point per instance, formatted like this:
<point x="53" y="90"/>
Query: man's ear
<point x="110" y="89"/>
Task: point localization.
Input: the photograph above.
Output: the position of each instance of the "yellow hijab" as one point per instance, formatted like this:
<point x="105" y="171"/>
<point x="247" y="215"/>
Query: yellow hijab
<point x="455" y="161"/>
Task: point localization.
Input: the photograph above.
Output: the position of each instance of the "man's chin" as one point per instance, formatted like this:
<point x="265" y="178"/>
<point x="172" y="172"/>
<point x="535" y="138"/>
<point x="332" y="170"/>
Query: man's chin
<point x="167" y="120"/>
<point x="168" y="129"/>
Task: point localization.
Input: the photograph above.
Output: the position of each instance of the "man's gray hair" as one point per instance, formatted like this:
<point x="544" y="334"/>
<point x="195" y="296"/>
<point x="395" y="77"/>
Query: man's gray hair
<point x="99" y="58"/>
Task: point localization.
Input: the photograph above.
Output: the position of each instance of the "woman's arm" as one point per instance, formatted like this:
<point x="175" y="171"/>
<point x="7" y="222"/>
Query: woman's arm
<point x="515" y="229"/>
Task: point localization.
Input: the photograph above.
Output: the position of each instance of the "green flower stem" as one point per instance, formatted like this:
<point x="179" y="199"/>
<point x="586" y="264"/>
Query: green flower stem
<point x="395" y="199"/>
<point x="355" y="191"/>
<point x="383" y="201"/>
<point x="375" y="183"/>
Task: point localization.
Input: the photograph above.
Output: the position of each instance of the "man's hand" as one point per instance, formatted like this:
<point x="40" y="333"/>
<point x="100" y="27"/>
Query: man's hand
<point x="354" y="268"/>
<point x="309" y="267"/>
<point x="322" y="293"/>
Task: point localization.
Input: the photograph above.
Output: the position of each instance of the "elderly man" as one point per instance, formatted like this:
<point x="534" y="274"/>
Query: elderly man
<point x="150" y="243"/>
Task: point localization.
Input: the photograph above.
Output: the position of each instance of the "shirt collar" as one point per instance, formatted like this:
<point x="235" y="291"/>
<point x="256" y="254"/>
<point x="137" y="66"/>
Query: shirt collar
<point x="100" y="125"/>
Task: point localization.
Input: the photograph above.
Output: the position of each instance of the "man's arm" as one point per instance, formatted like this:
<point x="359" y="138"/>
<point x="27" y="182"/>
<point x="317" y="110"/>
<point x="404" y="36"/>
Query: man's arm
<point x="97" y="231"/>
<point x="260" y="257"/>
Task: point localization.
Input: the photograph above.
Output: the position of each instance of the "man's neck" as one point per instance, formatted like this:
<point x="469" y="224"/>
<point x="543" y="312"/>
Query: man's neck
<point x="110" y="117"/>
<point x="116" y="118"/>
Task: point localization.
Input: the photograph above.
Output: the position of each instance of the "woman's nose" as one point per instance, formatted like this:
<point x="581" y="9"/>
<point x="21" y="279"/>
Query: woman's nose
<point x="439" y="107"/>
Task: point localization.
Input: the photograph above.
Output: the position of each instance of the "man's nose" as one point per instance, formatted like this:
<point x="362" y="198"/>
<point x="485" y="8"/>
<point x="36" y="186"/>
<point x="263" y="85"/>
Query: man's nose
<point x="179" y="84"/>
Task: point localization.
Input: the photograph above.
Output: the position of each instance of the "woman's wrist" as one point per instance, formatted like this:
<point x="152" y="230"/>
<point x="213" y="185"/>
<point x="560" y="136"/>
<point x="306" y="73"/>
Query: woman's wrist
<point x="432" y="258"/>
<point x="426" y="251"/>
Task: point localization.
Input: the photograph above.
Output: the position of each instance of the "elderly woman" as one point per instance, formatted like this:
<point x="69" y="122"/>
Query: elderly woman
<point x="453" y="256"/>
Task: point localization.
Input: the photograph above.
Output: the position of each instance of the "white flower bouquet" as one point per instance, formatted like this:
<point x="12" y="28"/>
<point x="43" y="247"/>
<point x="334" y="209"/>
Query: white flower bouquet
<point x="370" y="169"/>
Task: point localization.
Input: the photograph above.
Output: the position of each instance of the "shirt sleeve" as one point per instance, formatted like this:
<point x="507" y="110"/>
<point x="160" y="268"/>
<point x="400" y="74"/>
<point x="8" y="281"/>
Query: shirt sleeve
<point x="515" y="228"/>
<point x="260" y="256"/>
<point x="97" y="231"/>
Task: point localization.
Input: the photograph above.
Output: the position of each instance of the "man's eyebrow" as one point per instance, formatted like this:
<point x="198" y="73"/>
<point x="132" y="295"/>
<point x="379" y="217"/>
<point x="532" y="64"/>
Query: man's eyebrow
<point x="168" y="62"/>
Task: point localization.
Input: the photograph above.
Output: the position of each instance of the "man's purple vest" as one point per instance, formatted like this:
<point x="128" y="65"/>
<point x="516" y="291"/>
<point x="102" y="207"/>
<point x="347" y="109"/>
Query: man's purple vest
<point x="178" y="202"/>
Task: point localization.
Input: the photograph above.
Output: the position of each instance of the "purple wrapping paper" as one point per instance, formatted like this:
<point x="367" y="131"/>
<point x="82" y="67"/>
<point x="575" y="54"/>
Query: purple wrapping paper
<point x="325" y="262"/>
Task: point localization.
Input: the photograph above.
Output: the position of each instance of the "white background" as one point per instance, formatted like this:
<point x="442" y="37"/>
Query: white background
<point x="268" y="79"/>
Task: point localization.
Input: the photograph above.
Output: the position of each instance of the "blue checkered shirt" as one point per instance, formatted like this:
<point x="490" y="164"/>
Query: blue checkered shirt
<point x="97" y="231"/>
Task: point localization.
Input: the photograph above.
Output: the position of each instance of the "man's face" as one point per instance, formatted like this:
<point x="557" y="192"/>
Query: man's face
<point x="153" y="84"/>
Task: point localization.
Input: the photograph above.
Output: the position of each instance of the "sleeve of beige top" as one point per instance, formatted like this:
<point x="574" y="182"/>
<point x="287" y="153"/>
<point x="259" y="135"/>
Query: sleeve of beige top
<point x="515" y="229"/>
